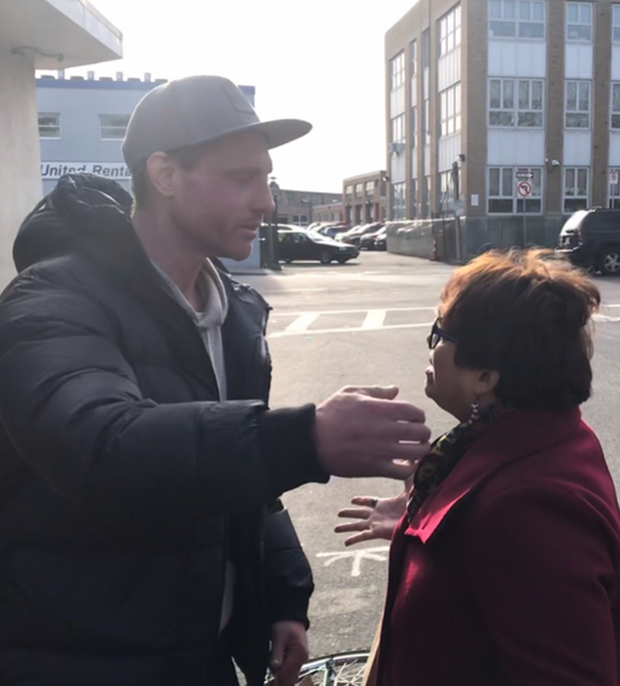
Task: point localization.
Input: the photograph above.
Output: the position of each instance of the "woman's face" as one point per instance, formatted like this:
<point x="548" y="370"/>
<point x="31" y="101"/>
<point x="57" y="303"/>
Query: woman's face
<point x="453" y="388"/>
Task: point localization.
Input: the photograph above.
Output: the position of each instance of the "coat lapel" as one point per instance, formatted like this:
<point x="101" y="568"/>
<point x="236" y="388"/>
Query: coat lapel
<point x="512" y="437"/>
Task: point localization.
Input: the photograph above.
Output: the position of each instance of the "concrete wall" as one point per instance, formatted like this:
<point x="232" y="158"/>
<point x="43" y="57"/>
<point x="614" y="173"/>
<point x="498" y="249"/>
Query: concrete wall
<point x="429" y="238"/>
<point x="20" y="183"/>
<point x="413" y="238"/>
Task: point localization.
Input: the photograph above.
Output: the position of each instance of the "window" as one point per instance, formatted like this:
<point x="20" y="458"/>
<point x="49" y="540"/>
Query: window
<point x="426" y="49"/>
<point x="512" y="19"/>
<point x="579" y="21"/>
<point x="577" y="105"/>
<point x="414" y="127"/>
<point x="301" y="220"/>
<point x="397" y="70"/>
<point x="614" y="189"/>
<point x="615" y="106"/>
<point x="49" y="125"/>
<point x="348" y="190"/>
<point x="113" y="126"/>
<point x="503" y="196"/>
<point x="398" y="129"/>
<point x="398" y="201"/>
<point x="426" y="123"/>
<point x="414" y="198"/>
<point x="616" y="24"/>
<point x="413" y="57"/>
<point x="370" y="187"/>
<point x="450" y="110"/>
<point x="576" y="187"/>
<point x="426" y="197"/>
<point x="359" y="189"/>
<point x="446" y="192"/>
<point x="450" y="31"/>
<point x="516" y="102"/>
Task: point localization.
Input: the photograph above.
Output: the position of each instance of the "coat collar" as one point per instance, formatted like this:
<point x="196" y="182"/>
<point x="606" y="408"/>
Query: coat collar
<point x="510" y="438"/>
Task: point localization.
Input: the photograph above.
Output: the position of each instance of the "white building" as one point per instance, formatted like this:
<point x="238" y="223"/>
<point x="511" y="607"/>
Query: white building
<point x="37" y="34"/>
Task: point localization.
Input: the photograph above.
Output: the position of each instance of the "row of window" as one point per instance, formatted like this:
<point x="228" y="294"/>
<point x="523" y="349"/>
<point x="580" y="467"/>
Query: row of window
<point x="507" y="19"/>
<point x="513" y="103"/>
<point x="527" y="19"/>
<point x="503" y="196"/>
<point x="111" y="126"/>
<point x="369" y="187"/>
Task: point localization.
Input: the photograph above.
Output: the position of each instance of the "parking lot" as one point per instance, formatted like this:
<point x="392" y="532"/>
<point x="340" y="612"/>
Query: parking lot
<point x="366" y="323"/>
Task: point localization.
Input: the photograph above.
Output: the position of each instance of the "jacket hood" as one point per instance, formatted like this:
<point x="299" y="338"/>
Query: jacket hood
<point x="80" y="206"/>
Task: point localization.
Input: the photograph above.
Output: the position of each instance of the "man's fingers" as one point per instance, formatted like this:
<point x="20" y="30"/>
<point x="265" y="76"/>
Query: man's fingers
<point x="406" y="452"/>
<point x="395" y="470"/>
<point x="380" y="392"/>
<point x="405" y="432"/>
<point x="400" y="411"/>
<point x="356" y="512"/>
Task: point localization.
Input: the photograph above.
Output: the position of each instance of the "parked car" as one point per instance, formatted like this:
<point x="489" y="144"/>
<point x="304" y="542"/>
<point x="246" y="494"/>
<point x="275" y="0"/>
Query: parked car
<point x="333" y="230"/>
<point x="591" y="239"/>
<point x="374" y="241"/>
<point x="353" y="236"/>
<point x="300" y="245"/>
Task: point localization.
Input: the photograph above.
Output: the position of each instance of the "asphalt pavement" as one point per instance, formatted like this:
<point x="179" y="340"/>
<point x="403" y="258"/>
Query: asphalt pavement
<point x="361" y="323"/>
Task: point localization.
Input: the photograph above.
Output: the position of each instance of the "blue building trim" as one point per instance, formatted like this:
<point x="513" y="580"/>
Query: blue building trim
<point x="110" y="84"/>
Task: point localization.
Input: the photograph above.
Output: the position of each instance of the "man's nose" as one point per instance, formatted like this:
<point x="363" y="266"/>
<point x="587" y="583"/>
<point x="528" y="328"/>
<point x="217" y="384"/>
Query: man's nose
<point x="265" y="202"/>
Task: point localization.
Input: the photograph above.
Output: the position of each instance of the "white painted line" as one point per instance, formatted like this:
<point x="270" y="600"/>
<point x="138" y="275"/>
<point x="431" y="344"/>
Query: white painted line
<point x="374" y="319"/>
<point x="605" y="318"/>
<point x="279" y="313"/>
<point x="302" y="323"/>
<point x="285" y="291"/>
<point x="287" y="332"/>
<point x="377" y="554"/>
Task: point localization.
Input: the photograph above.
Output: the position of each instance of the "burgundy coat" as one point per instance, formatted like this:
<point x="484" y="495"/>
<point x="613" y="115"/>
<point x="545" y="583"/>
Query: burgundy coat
<point x="510" y="572"/>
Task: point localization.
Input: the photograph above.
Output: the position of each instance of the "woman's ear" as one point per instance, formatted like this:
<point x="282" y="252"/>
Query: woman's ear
<point x="486" y="381"/>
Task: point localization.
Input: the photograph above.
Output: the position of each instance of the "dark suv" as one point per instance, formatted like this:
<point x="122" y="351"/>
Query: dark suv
<point x="591" y="239"/>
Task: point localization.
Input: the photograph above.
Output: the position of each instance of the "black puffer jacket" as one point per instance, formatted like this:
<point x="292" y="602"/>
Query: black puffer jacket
<point x="124" y="483"/>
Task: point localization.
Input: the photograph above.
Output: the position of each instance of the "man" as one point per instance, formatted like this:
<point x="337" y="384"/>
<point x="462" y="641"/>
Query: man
<point x="142" y="541"/>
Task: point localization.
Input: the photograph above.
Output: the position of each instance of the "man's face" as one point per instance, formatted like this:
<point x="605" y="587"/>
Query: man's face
<point x="219" y="205"/>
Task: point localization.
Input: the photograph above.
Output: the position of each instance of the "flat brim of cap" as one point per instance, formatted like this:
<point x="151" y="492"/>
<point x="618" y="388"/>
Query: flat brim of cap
<point x="278" y="132"/>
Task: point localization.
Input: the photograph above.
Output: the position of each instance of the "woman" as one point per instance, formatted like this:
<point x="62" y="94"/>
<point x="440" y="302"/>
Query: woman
<point x="505" y="565"/>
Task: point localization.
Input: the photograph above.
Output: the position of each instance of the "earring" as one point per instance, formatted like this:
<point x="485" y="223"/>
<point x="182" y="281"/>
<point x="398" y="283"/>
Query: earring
<point x="475" y="413"/>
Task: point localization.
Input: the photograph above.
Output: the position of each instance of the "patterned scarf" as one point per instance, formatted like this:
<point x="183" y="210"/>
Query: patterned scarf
<point x="446" y="452"/>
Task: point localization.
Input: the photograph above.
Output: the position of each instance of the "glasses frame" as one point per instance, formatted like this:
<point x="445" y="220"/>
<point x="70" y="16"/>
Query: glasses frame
<point x="437" y="334"/>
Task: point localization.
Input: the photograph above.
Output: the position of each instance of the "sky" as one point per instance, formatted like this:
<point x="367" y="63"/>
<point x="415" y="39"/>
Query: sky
<point x="321" y="60"/>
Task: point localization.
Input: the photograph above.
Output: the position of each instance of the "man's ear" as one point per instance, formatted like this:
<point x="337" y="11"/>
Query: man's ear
<point x="486" y="381"/>
<point x="161" y="169"/>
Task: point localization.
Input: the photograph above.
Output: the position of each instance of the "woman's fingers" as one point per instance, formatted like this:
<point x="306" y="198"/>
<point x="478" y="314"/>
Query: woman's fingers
<point x="358" y="538"/>
<point x="355" y="512"/>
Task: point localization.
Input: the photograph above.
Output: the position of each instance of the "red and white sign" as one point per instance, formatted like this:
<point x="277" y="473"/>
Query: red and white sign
<point x="524" y="189"/>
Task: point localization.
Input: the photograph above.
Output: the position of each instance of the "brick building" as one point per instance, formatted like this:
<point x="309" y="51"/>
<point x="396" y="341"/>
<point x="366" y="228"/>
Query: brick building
<point x="299" y="207"/>
<point x="503" y="112"/>
<point x="364" y="198"/>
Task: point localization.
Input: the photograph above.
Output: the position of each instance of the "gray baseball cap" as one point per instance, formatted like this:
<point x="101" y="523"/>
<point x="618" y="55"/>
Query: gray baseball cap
<point x="198" y="109"/>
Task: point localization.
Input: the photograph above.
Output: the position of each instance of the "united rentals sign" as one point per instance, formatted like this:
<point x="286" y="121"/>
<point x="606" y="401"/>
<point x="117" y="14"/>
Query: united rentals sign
<point x="111" y="170"/>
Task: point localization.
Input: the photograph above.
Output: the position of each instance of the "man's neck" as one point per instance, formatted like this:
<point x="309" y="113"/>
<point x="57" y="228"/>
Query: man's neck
<point x="178" y="261"/>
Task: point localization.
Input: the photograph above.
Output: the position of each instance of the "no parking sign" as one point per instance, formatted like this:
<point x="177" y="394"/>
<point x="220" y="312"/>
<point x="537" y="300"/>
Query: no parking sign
<point x="524" y="189"/>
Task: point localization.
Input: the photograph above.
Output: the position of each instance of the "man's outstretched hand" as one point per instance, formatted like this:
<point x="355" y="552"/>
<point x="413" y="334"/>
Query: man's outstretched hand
<point x="363" y="431"/>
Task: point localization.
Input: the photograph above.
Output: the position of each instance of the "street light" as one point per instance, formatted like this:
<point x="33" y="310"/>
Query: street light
<point x="271" y="260"/>
<point x="308" y="201"/>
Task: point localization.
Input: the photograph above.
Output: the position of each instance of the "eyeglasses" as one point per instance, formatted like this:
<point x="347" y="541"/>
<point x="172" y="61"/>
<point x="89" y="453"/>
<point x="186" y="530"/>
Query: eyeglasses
<point x="437" y="334"/>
